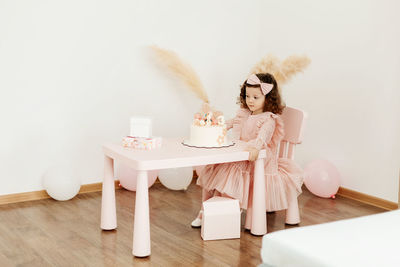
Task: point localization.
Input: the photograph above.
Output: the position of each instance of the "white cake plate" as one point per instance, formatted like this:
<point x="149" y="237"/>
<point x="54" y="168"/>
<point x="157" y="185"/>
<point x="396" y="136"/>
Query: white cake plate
<point x="187" y="143"/>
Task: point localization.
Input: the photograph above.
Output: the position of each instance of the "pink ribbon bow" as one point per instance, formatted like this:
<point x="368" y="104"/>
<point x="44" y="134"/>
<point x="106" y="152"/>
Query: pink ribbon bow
<point x="265" y="87"/>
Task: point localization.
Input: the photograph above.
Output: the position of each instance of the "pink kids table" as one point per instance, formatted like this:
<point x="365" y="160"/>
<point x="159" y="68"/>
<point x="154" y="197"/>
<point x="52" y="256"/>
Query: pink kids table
<point x="173" y="154"/>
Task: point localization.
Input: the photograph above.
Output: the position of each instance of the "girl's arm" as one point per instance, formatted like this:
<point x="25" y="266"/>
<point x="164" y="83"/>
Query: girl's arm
<point x="240" y="114"/>
<point x="263" y="138"/>
<point x="229" y="124"/>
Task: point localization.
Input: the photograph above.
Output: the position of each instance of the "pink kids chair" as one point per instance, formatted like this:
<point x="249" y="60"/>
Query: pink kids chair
<point x="294" y="121"/>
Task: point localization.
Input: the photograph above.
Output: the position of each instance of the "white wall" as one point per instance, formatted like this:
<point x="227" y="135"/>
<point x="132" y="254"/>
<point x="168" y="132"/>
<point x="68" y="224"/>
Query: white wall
<point x="72" y="73"/>
<point x="351" y="90"/>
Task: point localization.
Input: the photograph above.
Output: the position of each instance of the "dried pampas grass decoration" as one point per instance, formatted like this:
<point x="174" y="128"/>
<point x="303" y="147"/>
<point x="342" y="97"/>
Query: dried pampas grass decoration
<point x="282" y="71"/>
<point x="181" y="70"/>
<point x="268" y="64"/>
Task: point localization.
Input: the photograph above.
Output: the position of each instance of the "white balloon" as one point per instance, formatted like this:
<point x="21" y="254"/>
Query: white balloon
<point x="61" y="183"/>
<point x="176" y="179"/>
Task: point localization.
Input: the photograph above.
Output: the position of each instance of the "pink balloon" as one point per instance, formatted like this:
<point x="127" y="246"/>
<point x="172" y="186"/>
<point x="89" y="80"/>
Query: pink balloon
<point x="322" y="178"/>
<point x="127" y="176"/>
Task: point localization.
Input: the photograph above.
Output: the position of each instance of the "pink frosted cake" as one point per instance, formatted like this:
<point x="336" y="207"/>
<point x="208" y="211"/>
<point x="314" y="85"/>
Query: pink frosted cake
<point x="208" y="129"/>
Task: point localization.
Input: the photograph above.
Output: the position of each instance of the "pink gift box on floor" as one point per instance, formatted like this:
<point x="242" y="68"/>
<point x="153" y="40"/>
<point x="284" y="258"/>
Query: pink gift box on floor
<point x="221" y="219"/>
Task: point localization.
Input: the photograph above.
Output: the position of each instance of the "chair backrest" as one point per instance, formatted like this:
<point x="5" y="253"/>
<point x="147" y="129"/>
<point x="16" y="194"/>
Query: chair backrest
<point x="294" y="121"/>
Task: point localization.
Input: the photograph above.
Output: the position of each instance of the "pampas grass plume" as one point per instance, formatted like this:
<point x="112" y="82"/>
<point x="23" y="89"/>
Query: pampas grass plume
<point x="292" y="65"/>
<point x="282" y="71"/>
<point x="181" y="70"/>
<point x="269" y="63"/>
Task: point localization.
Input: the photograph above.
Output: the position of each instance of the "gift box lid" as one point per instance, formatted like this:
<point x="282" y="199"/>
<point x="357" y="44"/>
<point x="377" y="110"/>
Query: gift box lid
<point x="140" y="120"/>
<point x="221" y="205"/>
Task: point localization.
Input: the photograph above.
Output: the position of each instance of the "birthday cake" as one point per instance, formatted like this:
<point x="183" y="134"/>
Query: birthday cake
<point x="208" y="129"/>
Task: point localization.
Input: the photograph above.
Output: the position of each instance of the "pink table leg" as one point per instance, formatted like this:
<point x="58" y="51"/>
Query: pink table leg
<point x="108" y="211"/>
<point x="259" y="217"/>
<point x="249" y="211"/>
<point x="141" y="226"/>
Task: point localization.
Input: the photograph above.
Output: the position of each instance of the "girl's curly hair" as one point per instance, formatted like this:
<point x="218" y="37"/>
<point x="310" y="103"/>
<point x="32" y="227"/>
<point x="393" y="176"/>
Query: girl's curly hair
<point x="273" y="100"/>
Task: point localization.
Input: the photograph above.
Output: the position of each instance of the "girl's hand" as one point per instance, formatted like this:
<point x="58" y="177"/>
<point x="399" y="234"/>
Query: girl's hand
<point x="253" y="153"/>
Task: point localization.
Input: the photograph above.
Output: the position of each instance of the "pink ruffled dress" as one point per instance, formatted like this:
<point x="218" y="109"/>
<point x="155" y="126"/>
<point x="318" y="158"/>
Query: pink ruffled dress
<point x="283" y="177"/>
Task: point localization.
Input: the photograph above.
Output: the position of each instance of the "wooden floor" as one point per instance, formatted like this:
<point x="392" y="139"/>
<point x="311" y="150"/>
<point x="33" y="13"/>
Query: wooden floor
<point x="51" y="233"/>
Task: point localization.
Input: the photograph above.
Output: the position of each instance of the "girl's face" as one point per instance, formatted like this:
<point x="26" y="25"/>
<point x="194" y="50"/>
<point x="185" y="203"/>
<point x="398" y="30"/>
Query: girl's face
<point x="255" y="100"/>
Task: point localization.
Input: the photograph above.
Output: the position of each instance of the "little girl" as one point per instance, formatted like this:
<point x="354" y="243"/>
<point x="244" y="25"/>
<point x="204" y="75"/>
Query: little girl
<point x="257" y="124"/>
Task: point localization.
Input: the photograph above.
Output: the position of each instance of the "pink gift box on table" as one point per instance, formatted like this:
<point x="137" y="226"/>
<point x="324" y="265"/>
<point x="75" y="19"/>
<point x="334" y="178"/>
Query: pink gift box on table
<point x="221" y="219"/>
<point x="142" y="143"/>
